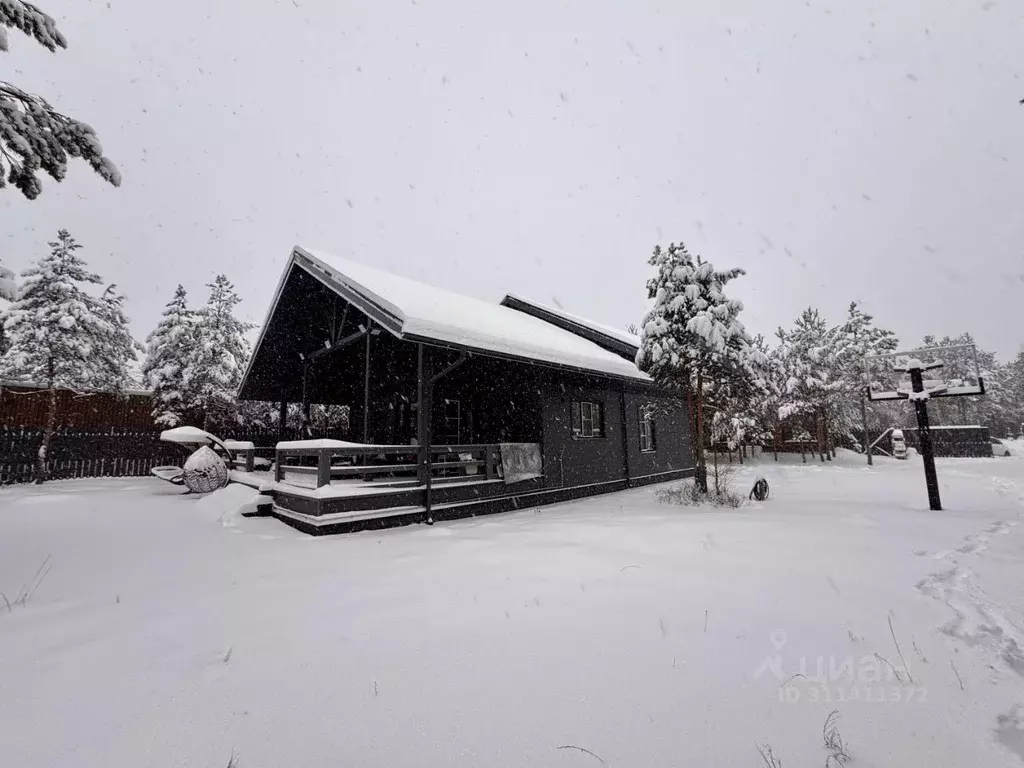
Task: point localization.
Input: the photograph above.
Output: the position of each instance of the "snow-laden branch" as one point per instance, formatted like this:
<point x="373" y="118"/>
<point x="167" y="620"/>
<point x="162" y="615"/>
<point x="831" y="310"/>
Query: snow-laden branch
<point x="34" y="136"/>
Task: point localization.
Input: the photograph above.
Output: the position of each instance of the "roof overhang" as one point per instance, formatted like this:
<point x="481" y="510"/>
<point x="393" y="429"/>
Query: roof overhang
<point x="390" y="318"/>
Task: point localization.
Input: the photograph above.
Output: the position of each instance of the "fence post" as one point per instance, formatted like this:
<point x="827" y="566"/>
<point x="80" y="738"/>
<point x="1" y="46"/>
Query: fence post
<point x="278" y="466"/>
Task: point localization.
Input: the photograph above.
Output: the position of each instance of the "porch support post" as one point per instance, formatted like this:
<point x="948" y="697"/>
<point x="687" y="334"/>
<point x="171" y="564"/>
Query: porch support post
<point x="282" y="419"/>
<point x="366" y="387"/>
<point x="424" y="426"/>
<point x="305" y="398"/>
<point x="625" y="439"/>
<point x="423" y="397"/>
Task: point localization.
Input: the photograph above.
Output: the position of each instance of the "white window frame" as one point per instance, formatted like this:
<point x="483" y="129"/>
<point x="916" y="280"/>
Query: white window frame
<point x="648" y="442"/>
<point x="591" y="421"/>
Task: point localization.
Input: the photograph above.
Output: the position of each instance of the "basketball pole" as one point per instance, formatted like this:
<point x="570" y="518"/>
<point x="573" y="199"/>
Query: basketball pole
<point x="925" y="432"/>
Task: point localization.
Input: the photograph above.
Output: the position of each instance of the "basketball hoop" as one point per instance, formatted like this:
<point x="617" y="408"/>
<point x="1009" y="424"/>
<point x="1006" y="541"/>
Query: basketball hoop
<point x="900" y="376"/>
<point x="887" y="376"/>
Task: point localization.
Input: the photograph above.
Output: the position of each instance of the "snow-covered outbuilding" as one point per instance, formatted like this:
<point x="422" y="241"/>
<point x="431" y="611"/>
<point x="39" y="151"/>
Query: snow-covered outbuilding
<point x="525" y="405"/>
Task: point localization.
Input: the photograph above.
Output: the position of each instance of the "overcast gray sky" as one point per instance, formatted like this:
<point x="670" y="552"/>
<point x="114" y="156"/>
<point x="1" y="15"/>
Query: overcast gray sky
<point x="835" y="150"/>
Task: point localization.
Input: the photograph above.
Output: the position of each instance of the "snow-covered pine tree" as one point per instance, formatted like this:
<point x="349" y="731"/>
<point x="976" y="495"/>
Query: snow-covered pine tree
<point x="8" y="284"/>
<point x="116" y="351"/>
<point x="33" y="135"/>
<point x="768" y="398"/>
<point x="53" y="329"/>
<point x="168" y="350"/>
<point x="815" y="385"/>
<point x="1008" y="419"/>
<point x="692" y="340"/>
<point x="858" y="338"/>
<point x="220" y="354"/>
<point x="8" y="294"/>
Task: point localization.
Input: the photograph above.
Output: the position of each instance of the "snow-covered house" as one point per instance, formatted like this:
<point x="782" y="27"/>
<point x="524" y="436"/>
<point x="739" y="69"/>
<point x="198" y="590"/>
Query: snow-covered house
<point x="525" y="404"/>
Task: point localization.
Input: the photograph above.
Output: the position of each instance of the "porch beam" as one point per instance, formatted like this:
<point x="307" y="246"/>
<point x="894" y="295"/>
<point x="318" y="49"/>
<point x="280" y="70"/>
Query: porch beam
<point x="351" y="338"/>
<point x="461" y="359"/>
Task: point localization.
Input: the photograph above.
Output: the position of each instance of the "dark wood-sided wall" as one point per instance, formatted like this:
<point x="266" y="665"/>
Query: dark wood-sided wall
<point x="573" y="461"/>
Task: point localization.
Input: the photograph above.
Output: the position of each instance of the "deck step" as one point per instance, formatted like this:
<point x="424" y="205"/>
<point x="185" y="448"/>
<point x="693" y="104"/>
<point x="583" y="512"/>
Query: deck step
<point x="347" y="517"/>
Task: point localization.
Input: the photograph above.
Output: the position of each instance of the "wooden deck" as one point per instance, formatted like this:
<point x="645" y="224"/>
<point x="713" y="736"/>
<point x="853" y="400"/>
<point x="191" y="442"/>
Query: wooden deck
<point x="322" y="496"/>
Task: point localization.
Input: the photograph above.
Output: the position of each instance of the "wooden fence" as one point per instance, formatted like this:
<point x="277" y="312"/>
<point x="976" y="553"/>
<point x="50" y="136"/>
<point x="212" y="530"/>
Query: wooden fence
<point x="110" y="452"/>
<point x="23" y="405"/>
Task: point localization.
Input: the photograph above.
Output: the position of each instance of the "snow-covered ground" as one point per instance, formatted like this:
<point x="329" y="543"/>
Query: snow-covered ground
<point x="649" y="635"/>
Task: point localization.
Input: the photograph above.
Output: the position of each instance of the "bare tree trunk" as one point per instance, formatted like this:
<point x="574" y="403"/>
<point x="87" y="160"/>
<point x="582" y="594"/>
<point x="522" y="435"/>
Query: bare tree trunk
<point x="702" y="469"/>
<point x="820" y="430"/>
<point x="775" y="440"/>
<point x="42" y="466"/>
<point x="714" y="454"/>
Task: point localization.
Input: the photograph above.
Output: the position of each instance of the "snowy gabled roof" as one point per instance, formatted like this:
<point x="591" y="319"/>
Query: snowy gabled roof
<point x="422" y="312"/>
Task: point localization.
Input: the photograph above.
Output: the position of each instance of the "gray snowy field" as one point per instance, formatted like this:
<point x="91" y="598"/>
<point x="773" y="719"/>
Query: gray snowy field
<point x="616" y="630"/>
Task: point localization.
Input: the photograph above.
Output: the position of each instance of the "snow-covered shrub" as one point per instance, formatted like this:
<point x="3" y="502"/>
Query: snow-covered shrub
<point x="719" y="494"/>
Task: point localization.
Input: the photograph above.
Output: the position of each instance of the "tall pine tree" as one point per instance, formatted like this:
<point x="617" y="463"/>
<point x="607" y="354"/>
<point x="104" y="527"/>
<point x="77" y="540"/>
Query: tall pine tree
<point x="220" y="353"/>
<point x="859" y="338"/>
<point x="168" y="349"/>
<point x="692" y="340"/>
<point x="55" y="330"/>
<point x="1008" y="397"/>
<point x="115" y="352"/>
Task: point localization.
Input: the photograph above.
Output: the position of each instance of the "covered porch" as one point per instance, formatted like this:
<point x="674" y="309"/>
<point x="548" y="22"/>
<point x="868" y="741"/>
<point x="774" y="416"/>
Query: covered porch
<point x="430" y="424"/>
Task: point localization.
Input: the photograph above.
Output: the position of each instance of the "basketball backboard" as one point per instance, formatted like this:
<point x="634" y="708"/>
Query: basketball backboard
<point x="951" y="371"/>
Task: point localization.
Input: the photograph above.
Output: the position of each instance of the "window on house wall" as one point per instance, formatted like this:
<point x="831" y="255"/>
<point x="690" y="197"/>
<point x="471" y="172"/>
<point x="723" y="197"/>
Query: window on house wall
<point x="587" y="419"/>
<point x="646" y="430"/>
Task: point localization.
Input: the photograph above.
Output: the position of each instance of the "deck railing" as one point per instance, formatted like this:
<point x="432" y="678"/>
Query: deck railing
<point x="466" y="462"/>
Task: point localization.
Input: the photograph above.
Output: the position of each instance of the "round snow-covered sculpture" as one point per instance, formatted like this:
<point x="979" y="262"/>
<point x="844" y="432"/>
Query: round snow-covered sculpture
<point x="205" y="471"/>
